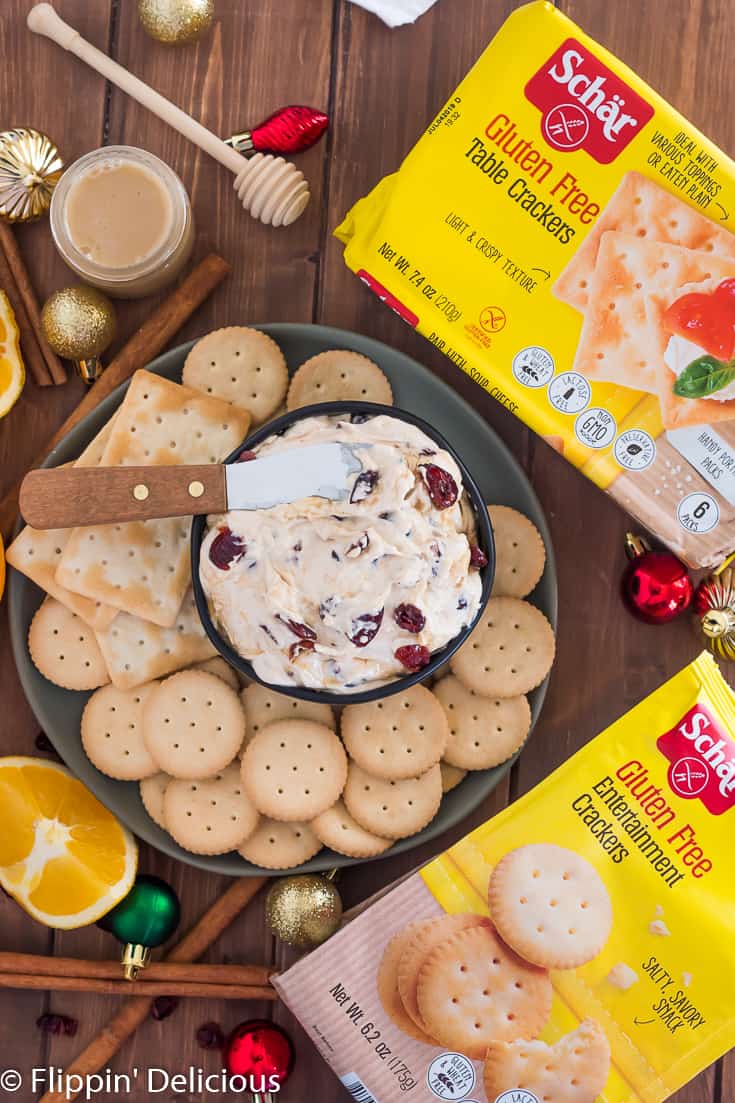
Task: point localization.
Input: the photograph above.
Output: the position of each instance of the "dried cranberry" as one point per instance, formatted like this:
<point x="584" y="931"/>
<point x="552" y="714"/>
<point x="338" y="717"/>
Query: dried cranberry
<point x="301" y="630"/>
<point x="226" y="549"/>
<point x="57" y="1024"/>
<point x="163" y="1006"/>
<point x="409" y="617"/>
<point x="210" y="1036"/>
<point x="462" y="603"/>
<point x="365" y="484"/>
<point x="298" y="648"/>
<point x="245" y="456"/>
<point x="413" y="656"/>
<point x="360" y="545"/>
<point x="440" y="484"/>
<point x="298" y="546"/>
<point x="478" y="558"/>
<point x="365" y="628"/>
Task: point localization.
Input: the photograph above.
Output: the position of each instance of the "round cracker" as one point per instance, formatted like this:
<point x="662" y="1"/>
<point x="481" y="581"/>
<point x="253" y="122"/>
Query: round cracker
<point x="520" y="555"/>
<point x="387" y="984"/>
<point x="65" y="649"/>
<point x="112" y="732"/>
<point x="573" y="1070"/>
<point x="220" y="669"/>
<point x="550" y="904"/>
<point x="430" y="934"/>
<point x="241" y="365"/>
<point x="338" y="375"/>
<point x="483" y="731"/>
<point x="399" y="737"/>
<point x="294" y="770"/>
<point x="392" y="809"/>
<point x="276" y="845"/>
<point x="212" y="816"/>
<point x="265" y="706"/>
<point x="451" y="776"/>
<point x="151" y="793"/>
<point x="337" y="829"/>
<point x="473" y="990"/>
<point x="193" y="725"/>
<point x="509" y="652"/>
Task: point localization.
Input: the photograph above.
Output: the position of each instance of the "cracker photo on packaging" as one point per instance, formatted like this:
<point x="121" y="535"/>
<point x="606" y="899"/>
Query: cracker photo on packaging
<point x="575" y="948"/>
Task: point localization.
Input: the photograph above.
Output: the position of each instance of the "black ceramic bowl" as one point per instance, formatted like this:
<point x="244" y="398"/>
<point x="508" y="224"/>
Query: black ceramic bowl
<point x="439" y="658"/>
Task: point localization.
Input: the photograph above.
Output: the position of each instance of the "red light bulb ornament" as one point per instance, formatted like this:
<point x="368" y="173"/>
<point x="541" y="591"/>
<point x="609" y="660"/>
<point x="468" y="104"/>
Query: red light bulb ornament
<point x="262" y="1054"/>
<point x="289" y="130"/>
<point x="656" y="585"/>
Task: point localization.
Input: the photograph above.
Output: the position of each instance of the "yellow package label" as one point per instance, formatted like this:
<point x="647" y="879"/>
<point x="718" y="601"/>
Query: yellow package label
<point x="563" y="236"/>
<point x="575" y="948"/>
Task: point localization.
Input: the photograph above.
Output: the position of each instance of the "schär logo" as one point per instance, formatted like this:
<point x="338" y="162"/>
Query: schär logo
<point x="584" y="105"/>
<point x="702" y="757"/>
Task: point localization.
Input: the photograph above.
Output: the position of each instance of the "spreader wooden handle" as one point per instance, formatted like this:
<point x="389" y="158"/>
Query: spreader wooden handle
<point x="65" y="497"/>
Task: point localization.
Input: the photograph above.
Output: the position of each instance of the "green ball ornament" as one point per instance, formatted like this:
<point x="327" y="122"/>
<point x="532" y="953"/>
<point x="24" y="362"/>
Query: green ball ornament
<point x="146" y="918"/>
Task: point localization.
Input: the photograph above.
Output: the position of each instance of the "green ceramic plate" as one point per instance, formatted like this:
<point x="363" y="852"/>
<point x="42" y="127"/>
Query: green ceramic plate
<point x="415" y="389"/>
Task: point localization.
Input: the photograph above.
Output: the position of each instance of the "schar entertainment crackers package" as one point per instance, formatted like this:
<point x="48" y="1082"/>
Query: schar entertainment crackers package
<point x="577" y="948"/>
<point x="564" y="236"/>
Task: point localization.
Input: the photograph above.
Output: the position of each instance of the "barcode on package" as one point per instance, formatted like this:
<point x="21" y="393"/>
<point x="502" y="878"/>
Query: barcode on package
<point x="357" y="1089"/>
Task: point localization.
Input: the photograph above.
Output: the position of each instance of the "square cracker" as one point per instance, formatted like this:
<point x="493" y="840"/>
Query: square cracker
<point x="617" y="344"/>
<point x="36" y="553"/>
<point x="142" y="567"/>
<point x="676" y="412"/>
<point x="641" y="207"/>
<point x="137" y="651"/>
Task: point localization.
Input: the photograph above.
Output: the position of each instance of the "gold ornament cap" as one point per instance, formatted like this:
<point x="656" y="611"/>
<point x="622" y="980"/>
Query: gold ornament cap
<point x="79" y="323"/>
<point x="176" y="22"/>
<point x="30" y="168"/>
<point x="304" y="910"/>
<point x="134" y="958"/>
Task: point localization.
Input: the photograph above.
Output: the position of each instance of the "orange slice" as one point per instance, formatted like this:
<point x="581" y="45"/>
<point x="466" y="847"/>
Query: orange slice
<point x="12" y="371"/>
<point x="63" y="856"/>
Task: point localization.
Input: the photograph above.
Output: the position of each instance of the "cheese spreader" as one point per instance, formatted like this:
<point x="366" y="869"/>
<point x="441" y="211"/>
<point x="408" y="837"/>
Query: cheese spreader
<point x="65" y="497"/>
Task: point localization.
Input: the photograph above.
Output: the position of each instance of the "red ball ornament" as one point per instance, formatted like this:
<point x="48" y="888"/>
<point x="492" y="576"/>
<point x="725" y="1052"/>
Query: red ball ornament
<point x="291" y="129"/>
<point x="656" y="585"/>
<point x="260" y="1052"/>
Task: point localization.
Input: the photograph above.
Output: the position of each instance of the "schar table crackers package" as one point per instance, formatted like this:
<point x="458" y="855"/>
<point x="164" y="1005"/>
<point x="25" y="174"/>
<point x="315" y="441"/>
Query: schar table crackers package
<point x="563" y="235"/>
<point x="576" y="948"/>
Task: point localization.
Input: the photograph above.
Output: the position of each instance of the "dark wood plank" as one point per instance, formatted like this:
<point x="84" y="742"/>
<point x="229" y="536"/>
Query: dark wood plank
<point x="29" y="99"/>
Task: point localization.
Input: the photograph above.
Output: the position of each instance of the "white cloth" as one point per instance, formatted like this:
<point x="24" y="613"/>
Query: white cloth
<point x="396" y="12"/>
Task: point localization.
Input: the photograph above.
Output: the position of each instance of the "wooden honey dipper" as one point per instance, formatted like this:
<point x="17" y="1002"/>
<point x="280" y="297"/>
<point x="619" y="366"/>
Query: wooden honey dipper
<point x="270" y="188"/>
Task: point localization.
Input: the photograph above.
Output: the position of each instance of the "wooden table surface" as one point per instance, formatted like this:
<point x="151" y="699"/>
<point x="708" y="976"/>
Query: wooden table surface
<point x="381" y="87"/>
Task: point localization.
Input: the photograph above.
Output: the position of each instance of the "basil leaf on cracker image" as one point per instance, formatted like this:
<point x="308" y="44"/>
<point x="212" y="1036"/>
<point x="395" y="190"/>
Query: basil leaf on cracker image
<point x="704" y="376"/>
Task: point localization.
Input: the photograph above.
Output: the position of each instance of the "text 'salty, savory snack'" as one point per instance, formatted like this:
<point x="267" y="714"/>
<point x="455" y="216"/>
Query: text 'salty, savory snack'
<point x="573" y="949"/>
<point x="567" y="239"/>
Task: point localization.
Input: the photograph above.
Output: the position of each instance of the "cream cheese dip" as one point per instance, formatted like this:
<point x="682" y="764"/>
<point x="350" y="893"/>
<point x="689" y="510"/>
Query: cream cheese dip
<point x="344" y="596"/>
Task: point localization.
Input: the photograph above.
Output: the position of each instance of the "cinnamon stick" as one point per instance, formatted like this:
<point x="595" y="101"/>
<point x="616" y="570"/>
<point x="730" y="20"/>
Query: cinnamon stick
<point x="103" y="1048"/>
<point x="9" y="247"/>
<point x="204" y="973"/>
<point x="32" y="355"/>
<point x="138" y="989"/>
<point x="143" y="346"/>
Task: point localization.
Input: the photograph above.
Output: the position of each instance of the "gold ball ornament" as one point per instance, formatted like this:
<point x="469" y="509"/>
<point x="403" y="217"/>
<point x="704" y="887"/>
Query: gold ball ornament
<point x="30" y="167"/>
<point x="714" y="607"/>
<point x="304" y="910"/>
<point x="176" y="22"/>
<point x="79" y="324"/>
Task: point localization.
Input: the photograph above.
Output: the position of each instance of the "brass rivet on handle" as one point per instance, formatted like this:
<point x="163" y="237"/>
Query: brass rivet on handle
<point x="140" y="492"/>
<point x="196" y="489"/>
